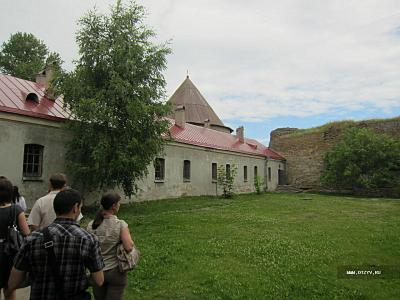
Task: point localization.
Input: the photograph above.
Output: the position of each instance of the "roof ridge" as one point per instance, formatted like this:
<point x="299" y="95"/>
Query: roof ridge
<point x="196" y="105"/>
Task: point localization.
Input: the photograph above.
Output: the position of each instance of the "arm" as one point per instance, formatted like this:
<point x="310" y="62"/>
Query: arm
<point x="98" y="277"/>
<point x="15" y="279"/>
<point x="94" y="262"/>
<point x="126" y="239"/>
<point x="22" y="224"/>
<point x="22" y="265"/>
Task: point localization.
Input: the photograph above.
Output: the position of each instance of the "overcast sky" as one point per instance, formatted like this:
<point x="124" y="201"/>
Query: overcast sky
<point x="259" y="63"/>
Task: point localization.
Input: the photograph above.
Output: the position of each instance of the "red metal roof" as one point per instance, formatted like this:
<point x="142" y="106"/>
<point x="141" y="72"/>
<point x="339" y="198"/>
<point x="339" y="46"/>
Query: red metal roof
<point x="209" y="138"/>
<point x="13" y="92"/>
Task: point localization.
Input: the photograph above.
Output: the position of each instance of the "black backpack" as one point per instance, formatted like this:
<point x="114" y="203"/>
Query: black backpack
<point x="14" y="238"/>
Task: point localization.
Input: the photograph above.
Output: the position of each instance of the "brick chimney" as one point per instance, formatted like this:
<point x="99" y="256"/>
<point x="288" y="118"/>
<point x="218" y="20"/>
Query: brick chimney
<point x="180" y="116"/>
<point x="207" y="123"/>
<point x="240" y="134"/>
<point x="44" y="78"/>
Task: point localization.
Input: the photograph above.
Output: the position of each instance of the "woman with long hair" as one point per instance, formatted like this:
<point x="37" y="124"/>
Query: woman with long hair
<point x="9" y="213"/>
<point x="18" y="199"/>
<point x="111" y="231"/>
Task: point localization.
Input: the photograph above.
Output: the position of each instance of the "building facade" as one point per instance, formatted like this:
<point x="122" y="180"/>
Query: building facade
<point x="32" y="138"/>
<point x="187" y="167"/>
<point x="32" y="145"/>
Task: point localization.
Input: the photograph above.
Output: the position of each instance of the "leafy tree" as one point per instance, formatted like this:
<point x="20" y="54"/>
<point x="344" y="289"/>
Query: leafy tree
<point x="115" y="95"/>
<point x="24" y="56"/>
<point x="362" y="160"/>
<point x="54" y="59"/>
<point x="225" y="179"/>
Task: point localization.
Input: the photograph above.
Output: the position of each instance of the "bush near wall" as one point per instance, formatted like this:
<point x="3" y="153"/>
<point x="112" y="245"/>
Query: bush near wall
<point x="304" y="149"/>
<point x="363" y="161"/>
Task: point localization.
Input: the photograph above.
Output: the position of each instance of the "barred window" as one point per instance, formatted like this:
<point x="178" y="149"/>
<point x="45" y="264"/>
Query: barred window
<point x="245" y="173"/>
<point x="214" y="175"/>
<point x="255" y="172"/>
<point x="269" y="173"/>
<point x="159" y="169"/>
<point x="186" y="170"/>
<point x="33" y="160"/>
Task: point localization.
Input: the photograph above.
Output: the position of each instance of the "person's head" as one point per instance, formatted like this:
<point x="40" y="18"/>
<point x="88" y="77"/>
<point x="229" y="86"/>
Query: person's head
<point x="6" y="191"/>
<point x="110" y="203"/>
<point x="68" y="203"/>
<point x="57" y="181"/>
<point x="16" y="194"/>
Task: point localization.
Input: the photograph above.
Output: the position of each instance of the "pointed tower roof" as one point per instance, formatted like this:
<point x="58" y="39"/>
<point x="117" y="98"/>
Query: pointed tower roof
<point x="197" y="109"/>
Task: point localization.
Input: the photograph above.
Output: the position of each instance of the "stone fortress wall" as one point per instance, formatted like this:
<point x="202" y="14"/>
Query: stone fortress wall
<point x="304" y="149"/>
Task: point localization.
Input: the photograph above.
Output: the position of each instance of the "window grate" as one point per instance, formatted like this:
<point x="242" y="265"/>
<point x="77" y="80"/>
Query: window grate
<point x="33" y="160"/>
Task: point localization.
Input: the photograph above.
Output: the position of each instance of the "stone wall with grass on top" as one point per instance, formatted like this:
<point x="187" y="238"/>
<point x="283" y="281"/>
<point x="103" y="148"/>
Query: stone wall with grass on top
<point x="304" y="149"/>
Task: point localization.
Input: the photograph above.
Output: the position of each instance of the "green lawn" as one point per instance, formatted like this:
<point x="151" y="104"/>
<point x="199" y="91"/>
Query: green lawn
<point x="270" y="246"/>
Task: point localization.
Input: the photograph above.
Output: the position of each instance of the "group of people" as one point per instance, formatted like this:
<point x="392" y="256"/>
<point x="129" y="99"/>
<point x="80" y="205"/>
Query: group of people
<point x="57" y="252"/>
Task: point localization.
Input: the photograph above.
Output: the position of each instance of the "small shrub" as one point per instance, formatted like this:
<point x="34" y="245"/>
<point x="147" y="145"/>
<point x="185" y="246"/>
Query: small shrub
<point x="259" y="184"/>
<point x="226" y="179"/>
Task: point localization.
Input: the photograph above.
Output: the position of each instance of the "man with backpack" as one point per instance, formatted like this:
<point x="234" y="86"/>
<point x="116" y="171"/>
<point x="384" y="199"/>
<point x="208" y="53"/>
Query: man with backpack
<point x="58" y="255"/>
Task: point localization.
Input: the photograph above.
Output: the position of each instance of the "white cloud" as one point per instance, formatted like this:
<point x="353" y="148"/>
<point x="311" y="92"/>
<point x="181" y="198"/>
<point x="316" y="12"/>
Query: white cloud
<point x="264" y="59"/>
<point x="254" y="60"/>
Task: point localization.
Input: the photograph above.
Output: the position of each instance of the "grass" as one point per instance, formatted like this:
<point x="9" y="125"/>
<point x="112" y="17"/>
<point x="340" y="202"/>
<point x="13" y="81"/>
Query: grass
<point x="337" y="124"/>
<point x="270" y="246"/>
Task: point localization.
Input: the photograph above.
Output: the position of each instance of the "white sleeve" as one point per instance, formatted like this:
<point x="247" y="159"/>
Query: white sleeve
<point x="22" y="203"/>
